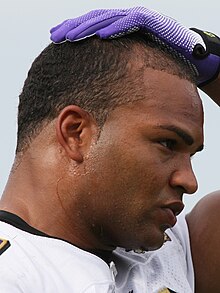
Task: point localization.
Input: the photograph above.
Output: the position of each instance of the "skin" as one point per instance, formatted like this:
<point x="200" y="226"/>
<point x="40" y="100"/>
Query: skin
<point x="212" y="90"/>
<point x="153" y="173"/>
<point x="118" y="186"/>
<point x="203" y="223"/>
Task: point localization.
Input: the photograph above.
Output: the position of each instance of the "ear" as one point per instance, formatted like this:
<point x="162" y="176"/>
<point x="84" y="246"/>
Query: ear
<point x="75" y="129"/>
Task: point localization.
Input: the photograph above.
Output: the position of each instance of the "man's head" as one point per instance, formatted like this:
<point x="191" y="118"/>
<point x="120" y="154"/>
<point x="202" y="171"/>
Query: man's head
<point x="128" y="117"/>
<point x="93" y="74"/>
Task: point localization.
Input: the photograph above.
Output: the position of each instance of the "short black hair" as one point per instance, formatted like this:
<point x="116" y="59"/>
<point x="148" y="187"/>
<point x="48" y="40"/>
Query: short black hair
<point x="92" y="73"/>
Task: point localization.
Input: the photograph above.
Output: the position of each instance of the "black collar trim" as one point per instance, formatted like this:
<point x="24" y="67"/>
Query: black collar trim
<point x="19" y="223"/>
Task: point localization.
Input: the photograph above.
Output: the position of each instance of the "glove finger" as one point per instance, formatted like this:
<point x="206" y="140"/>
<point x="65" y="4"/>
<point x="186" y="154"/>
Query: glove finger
<point x="89" y="28"/>
<point x="119" y="28"/>
<point x="133" y="21"/>
<point x="58" y="33"/>
<point x="53" y="29"/>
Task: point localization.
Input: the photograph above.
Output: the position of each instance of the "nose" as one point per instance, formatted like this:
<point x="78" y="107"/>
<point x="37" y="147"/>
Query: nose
<point x="184" y="178"/>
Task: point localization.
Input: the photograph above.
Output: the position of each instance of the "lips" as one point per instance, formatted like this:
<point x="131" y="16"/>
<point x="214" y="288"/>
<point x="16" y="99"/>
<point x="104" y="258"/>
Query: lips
<point x="176" y="207"/>
<point x="170" y="212"/>
<point x="169" y="218"/>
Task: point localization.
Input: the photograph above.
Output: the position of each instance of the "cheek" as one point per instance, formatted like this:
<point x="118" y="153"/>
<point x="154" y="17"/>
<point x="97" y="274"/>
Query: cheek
<point x="144" y="166"/>
<point x="127" y="170"/>
<point x="140" y="177"/>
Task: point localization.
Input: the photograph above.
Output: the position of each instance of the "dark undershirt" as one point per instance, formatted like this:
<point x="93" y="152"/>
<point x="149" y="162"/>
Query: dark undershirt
<point x="19" y="223"/>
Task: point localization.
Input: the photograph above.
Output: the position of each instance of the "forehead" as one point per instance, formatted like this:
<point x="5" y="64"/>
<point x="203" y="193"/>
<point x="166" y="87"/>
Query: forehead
<point x="163" y="99"/>
<point x="165" y="94"/>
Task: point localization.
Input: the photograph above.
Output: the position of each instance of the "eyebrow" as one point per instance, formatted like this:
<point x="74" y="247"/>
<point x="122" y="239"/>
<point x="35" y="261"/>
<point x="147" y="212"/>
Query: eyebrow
<point x="182" y="134"/>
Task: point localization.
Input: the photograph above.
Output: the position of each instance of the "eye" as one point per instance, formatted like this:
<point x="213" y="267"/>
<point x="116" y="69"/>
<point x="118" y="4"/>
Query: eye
<point x="168" y="143"/>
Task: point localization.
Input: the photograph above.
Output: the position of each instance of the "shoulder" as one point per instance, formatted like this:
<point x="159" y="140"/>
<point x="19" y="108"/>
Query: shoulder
<point x="203" y="222"/>
<point x="10" y="269"/>
<point x="53" y="265"/>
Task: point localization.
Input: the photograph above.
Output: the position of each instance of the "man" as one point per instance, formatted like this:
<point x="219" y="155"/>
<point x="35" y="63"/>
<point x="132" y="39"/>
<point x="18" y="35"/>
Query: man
<point x="102" y="161"/>
<point x="170" y="266"/>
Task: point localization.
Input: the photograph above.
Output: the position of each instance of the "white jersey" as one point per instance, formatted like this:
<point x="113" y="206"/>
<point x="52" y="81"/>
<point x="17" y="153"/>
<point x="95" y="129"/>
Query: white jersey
<point x="32" y="262"/>
<point x="168" y="269"/>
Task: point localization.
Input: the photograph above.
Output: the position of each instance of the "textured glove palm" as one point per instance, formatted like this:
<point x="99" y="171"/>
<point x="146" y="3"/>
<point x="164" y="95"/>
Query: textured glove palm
<point x="114" y="23"/>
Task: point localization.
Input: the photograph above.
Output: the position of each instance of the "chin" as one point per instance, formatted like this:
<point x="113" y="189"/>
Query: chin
<point x="156" y="246"/>
<point x="155" y="243"/>
<point x="144" y="241"/>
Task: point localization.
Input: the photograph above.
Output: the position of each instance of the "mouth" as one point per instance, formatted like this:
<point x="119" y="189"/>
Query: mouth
<point x="169" y="218"/>
<point x="171" y="211"/>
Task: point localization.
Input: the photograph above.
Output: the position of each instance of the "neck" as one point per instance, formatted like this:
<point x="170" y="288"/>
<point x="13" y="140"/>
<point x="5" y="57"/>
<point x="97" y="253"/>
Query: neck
<point x="42" y="205"/>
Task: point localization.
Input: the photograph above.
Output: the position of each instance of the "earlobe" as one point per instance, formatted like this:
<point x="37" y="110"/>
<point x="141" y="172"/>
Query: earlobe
<point x="74" y="131"/>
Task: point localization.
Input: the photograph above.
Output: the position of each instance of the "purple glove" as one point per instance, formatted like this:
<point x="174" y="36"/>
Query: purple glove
<point x="86" y="25"/>
<point x="114" y="23"/>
